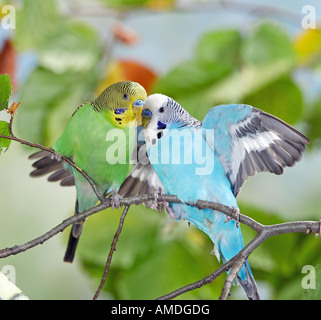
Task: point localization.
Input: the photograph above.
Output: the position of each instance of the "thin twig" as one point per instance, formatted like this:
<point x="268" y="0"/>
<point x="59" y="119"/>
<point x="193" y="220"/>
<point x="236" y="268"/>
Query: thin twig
<point x="110" y="255"/>
<point x="265" y="232"/>
<point x="307" y="227"/>
<point x="10" y="126"/>
<point x="59" y="228"/>
<point x="235" y="269"/>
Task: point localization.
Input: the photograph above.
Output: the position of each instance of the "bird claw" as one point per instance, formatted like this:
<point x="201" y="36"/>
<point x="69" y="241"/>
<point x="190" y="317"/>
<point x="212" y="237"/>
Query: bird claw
<point x="156" y="195"/>
<point x="172" y="214"/>
<point x="115" y="200"/>
<point x="56" y="156"/>
<point x="155" y="203"/>
<point x="318" y="234"/>
<point x="237" y="220"/>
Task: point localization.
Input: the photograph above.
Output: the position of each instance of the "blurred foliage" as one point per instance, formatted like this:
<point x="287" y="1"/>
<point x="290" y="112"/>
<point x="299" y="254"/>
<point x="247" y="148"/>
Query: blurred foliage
<point x="5" y="93"/>
<point x="279" y="260"/>
<point x="154" y="255"/>
<point x="4" y="130"/>
<point x="230" y="67"/>
<point x="258" y="66"/>
<point x="135" y="4"/>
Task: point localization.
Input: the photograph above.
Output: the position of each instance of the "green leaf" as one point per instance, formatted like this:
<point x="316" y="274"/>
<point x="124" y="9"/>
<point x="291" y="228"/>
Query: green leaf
<point x="220" y="47"/>
<point x="4" y="131"/>
<point x="313" y="120"/>
<point x="74" y="47"/>
<point x="46" y="96"/>
<point x="190" y="76"/>
<point x="236" y="86"/>
<point x="35" y="22"/>
<point x="5" y="91"/>
<point x="267" y="43"/>
<point x="282" y="98"/>
<point x="215" y="57"/>
<point x="125" y="4"/>
<point x="227" y="68"/>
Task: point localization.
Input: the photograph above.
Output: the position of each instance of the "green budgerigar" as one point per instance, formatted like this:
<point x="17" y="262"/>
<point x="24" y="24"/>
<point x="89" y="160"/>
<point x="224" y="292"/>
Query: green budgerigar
<point x="89" y="141"/>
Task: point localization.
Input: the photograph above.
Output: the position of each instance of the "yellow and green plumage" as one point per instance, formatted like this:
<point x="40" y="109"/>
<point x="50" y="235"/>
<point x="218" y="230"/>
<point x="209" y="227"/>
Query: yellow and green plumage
<point x="84" y="142"/>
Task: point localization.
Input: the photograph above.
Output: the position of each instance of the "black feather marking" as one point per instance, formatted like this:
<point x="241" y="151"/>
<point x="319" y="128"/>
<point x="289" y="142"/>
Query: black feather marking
<point x="44" y="170"/>
<point x="283" y="155"/>
<point x="270" y="163"/>
<point x="288" y="147"/>
<point x="69" y="181"/>
<point x="283" y="129"/>
<point x="39" y="154"/>
<point x="59" y="175"/>
<point x="258" y="162"/>
<point x="45" y="162"/>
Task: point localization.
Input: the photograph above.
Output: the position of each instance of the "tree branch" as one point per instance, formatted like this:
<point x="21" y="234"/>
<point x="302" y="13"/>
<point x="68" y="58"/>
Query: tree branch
<point x="112" y="249"/>
<point x="265" y="232"/>
<point x="235" y="264"/>
<point x="106" y="204"/>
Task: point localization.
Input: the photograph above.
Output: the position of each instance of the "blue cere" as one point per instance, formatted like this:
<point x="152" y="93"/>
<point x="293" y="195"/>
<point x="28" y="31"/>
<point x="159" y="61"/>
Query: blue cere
<point x="146" y="113"/>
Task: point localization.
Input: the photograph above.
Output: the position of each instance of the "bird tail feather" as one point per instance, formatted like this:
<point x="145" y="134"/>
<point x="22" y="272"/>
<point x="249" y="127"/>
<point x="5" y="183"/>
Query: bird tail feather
<point x="249" y="285"/>
<point x="71" y="248"/>
<point x="73" y="241"/>
<point x="75" y="233"/>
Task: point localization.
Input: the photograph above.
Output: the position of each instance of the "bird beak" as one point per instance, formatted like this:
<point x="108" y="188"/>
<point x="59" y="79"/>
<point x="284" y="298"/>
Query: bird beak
<point x="137" y="111"/>
<point x="138" y="107"/>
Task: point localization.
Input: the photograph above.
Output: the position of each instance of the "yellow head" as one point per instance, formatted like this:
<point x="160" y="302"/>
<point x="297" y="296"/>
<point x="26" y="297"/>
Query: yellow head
<point x="122" y="102"/>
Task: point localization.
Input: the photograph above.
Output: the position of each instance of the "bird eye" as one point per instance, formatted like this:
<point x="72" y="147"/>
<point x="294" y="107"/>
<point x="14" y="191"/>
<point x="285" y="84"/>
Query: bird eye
<point x="146" y="113"/>
<point x="161" y="109"/>
<point x="139" y="103"/>
<point x="125" y="96"/>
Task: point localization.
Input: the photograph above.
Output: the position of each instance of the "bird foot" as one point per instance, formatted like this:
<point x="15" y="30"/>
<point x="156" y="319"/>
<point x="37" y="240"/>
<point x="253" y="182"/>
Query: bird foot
<point x="237" y="220"/>
<point x="318" y="234"/>
<point x="56" y="156"/>
<point x="153" y="204"/>
<point x="115" y="200"/>
<point x="172" y="214"/>
<point x="156" y="195"/>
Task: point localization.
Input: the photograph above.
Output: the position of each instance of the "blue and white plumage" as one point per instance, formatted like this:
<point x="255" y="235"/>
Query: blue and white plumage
<point x="238" y="141"/>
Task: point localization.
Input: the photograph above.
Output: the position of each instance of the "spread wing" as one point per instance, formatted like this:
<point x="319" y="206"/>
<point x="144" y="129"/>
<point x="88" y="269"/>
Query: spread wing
<point x="45" y="164"/>
<point x="248" y="140"/>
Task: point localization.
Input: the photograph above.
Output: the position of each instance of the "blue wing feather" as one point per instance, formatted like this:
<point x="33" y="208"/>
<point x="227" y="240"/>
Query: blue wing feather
<point x="248" y="140"/>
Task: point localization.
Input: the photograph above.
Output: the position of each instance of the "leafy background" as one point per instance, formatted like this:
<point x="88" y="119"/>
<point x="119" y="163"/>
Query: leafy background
<point x="202" y="54"/>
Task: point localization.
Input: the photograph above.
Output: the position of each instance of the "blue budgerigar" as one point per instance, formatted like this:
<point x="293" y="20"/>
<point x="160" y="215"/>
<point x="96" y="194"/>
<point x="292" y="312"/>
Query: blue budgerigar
<point x="210" y="160"/>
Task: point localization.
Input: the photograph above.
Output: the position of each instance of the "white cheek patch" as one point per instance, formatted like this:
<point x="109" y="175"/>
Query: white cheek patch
<point x="150" y="136"/>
